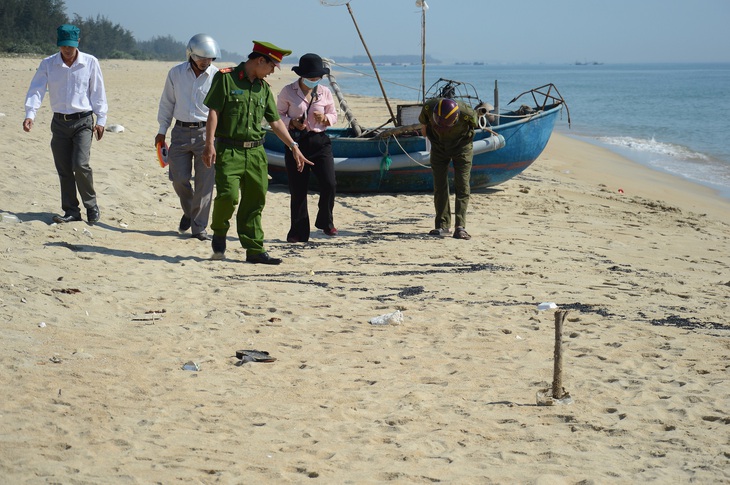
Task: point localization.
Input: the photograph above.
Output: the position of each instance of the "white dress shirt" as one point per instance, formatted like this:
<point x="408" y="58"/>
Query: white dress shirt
<point x="183" y="96"/>
<point x="71" y="90"/>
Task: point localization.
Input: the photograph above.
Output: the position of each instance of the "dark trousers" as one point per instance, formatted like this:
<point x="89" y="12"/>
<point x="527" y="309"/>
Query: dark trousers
<point x="317" y="148"/>
<point x="462" y="161"/>
<point x="71" y="147"/>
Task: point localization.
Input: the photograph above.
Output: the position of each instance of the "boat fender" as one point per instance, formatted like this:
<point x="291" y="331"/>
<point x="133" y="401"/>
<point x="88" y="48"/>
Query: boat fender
<point x="494" y="142"/>
<point x="403" y="160"/>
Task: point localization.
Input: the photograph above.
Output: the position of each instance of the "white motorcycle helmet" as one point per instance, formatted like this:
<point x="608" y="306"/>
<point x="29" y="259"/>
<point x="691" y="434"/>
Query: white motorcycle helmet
<point x="203" y="46"/>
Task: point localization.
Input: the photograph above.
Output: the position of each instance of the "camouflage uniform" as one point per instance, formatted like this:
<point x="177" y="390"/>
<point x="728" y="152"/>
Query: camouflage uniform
<point x="454" y="144"/>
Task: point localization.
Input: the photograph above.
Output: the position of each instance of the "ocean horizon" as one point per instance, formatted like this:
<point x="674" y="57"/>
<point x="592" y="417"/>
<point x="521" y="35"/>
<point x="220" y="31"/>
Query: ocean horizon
<point x="668" y="117"/>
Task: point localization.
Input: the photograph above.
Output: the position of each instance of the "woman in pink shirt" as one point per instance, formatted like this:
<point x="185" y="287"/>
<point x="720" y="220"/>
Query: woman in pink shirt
<point x="307" y="108"/>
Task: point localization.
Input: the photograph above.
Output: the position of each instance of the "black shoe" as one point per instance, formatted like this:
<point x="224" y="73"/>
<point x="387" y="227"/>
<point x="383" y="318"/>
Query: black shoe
<point x="93" y="215"/>
<point x="263" y="258"/>
<point x="439" y="232"/>
<point x="203" y="236"/>
<point x="184" y="224"/>
<point x="66" y="218"/>
<point x="219" y="247"/>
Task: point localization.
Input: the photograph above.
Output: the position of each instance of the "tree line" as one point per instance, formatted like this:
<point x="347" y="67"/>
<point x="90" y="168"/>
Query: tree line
<point x="29" y="27"/>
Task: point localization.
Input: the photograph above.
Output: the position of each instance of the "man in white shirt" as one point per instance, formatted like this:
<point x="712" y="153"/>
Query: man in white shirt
<point x="76" y="90"/>
<point x="182" y="98"/>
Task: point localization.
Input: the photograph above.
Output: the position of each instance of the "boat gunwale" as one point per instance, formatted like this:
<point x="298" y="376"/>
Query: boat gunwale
<point x="338" y="133"/>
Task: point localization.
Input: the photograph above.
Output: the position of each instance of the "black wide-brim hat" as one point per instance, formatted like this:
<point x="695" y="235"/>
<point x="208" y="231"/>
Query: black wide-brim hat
<point x="310" y="65"/>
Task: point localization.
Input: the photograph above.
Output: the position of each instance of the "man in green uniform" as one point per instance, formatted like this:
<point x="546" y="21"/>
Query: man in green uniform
<point x="449" y="125"/>
<point x="239" y="99"/>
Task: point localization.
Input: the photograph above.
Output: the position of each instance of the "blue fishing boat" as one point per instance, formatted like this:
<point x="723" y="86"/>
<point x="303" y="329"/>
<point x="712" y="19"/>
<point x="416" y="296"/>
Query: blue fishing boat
<point x="397" y="159"/>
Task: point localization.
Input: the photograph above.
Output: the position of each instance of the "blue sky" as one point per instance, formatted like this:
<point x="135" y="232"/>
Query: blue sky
<point x="511" y="31"/>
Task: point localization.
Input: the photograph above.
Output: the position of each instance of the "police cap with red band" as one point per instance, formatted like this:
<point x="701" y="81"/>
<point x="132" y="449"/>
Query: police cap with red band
<point x="276" y="54"/>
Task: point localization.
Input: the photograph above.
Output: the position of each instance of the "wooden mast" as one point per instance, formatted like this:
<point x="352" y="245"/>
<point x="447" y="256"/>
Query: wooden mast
<point x="356" y="128"/>
<point x="377" y="75"/>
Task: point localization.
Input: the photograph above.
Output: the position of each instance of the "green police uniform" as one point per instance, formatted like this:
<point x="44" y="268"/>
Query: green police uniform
<point x="454" y="144"/>
<point x="241" y="106"/>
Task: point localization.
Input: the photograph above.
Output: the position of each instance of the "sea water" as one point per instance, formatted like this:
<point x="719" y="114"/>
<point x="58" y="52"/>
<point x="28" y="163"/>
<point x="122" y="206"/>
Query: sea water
<point x="669" y="117"/>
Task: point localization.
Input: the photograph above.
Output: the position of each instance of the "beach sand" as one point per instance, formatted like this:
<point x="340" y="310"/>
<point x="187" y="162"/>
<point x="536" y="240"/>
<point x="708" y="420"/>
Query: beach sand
<point x="98" y="322"/>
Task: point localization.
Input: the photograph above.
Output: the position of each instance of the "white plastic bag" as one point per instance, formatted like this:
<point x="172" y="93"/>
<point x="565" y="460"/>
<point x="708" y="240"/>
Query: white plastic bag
<point x="394" y="318"/>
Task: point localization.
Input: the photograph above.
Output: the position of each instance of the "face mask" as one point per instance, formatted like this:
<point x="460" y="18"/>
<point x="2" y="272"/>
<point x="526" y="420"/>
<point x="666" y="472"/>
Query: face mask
<point x="310" y="84"/>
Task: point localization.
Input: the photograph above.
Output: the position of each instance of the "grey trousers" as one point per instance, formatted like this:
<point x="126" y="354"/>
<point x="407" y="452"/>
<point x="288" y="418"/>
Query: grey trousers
<point x="71" y="147"/>
<point x="195" y="190"/>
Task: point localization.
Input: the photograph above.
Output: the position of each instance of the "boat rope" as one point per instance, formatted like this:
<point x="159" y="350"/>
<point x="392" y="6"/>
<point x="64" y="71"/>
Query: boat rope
<point x="395" y="138"/>
<point x="484" y="124"/>
<point x="407" y="154"/>
<point x="362" y="73"/>
<point x="385" y="163"/>
<point x="517" y="117"/>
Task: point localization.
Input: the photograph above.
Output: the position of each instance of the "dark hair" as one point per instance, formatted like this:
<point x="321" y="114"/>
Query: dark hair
<point x="256" y="55"/>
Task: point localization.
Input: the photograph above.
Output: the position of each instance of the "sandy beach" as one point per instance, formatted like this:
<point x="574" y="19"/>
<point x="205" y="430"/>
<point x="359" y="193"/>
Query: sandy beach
<point x="98" y="322"/>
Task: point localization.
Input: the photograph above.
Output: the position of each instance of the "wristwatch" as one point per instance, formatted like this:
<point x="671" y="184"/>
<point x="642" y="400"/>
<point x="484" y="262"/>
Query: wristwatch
<point x="294" y="144"/>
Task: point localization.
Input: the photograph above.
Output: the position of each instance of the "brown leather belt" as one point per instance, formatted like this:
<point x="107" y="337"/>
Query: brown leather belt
<point x="239" y="143"/>
<point x="73" y="116"/>
<point x="189" y="124"/>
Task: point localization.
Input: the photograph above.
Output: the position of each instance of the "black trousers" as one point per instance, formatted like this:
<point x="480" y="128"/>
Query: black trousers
<point x="317" y="147"/>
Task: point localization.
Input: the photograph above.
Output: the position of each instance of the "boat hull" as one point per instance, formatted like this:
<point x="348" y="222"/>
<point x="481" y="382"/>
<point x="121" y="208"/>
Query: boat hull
<point x="360" y="165"/>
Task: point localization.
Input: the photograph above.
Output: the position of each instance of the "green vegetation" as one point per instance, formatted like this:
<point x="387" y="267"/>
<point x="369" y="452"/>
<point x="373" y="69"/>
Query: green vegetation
<point x="29" y="27"/>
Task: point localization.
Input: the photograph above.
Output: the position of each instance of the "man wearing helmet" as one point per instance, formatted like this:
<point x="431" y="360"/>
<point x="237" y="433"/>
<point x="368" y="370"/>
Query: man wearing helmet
<point x="449" y="125"/>
<point x="183" y="98"/>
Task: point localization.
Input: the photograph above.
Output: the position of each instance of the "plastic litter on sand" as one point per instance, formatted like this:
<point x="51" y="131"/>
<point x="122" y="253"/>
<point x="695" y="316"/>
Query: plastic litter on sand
<point x="548" y="305"/>
<point x="8" y="218"/>
<point x="190" y="365"/>
<point x="393" y="318"/>
<point x="545" y="398"/>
